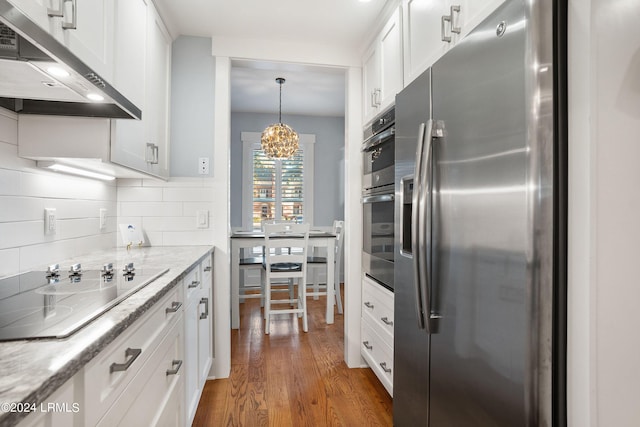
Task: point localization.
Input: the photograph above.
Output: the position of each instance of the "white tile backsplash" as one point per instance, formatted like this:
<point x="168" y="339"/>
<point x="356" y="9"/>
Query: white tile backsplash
<point x="144" y="209"/>
<point x="26" y="190"/>
<point x="171" y="220"/>
<point x="139" y="194"/>
<point x="166" y="211"/>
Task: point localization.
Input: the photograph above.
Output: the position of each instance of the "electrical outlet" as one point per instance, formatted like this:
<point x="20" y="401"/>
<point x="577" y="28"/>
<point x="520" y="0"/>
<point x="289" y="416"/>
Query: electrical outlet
<point x="49" y="221"/>
<point x="203" y="166"/>
<point x="103" y="218"/>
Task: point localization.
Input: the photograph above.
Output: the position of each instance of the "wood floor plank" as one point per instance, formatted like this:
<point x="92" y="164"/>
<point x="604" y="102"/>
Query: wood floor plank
<point x="292" y="378"/>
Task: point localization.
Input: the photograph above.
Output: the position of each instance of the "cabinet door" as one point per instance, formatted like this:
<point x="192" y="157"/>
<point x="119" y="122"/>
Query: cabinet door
<point x="157" y="89"/>
<point x="128" y="136"/>
<point x="472" y="12"/>
<point x="86" y="28"/>
<point x="371" y="81"/>
<point x="191" y="357"/>
<point x="130" y="44"/>
<point x="144" y="145"/>
<point x="390" y="61"/>
<point x="422" y="35"/>
<point x="204" y="336"/>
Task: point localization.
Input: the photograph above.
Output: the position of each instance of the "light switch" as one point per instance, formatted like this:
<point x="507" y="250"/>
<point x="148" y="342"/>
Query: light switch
<point x="49" y="221"/>
<point x="202" y="219"/>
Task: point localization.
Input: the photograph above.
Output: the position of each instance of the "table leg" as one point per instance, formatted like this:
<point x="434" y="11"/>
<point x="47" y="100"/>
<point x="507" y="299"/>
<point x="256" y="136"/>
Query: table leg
<point x="330" y="279"/>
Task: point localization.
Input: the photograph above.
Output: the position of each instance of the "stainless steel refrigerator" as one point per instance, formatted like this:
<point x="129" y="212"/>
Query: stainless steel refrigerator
<point x="480" y="232"/>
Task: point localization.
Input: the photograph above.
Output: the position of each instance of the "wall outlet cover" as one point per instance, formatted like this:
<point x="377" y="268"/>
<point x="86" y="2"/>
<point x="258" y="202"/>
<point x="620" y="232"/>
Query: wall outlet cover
<point x="50" y="221"/>
<point x="103" y="218"/>
<point x="203" y="166"/>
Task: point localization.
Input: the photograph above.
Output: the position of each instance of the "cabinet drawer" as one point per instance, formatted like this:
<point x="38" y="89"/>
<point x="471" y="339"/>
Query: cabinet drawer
<point x="143" y="401"/>
<point x="377" y="307"/>
<point x="378" y="354"/>
<point x="108" y="374"/>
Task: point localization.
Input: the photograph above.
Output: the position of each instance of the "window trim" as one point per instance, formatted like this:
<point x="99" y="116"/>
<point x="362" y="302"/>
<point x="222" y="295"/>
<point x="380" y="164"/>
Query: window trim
<point x="250" y="141"/>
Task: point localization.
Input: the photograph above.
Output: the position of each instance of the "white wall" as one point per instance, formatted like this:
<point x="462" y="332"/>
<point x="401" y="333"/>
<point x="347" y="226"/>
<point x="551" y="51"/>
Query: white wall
<point x="24" y="193"/>
<point x="192" y="105"/>
<point x="604" y="213"/>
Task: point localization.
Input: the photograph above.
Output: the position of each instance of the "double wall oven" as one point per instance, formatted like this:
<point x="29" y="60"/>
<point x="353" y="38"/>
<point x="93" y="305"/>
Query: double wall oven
<point x="378" y="157"/>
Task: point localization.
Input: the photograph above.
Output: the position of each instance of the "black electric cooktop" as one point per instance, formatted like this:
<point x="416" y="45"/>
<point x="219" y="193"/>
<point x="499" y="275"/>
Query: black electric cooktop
<point x="55" y="304"/>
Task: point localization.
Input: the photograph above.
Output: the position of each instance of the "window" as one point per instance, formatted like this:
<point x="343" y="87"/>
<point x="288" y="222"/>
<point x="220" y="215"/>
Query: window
<point x="276" y="189"/>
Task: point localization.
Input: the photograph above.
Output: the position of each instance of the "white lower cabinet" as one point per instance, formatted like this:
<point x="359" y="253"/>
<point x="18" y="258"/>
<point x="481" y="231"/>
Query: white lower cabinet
<point x="376" y="326"/>
<point x="60" y="409"/>
<point x="198" y="338"/>
<point x="153" y="397"/>
<point x="115" y="371"/>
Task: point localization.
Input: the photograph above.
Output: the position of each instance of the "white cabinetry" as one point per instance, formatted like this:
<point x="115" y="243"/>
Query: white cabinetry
<point x="382" y="65"/>
<point x="431" y="27"/>
<point x="135" y="365"/>
<point x="87" y="29"/>
<point x="144" y="145"/>
<point x="198" y="338"/>
<point x="60" y="409"/>
<point x="377" y="331"/>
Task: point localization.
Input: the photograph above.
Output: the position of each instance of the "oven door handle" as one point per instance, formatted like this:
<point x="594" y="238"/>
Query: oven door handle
<point x="378" y="139"/>
<point x="378" y="198"/>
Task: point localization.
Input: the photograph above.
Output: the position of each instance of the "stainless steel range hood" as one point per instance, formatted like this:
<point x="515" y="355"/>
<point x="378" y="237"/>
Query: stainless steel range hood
<point x="27" y="53"/>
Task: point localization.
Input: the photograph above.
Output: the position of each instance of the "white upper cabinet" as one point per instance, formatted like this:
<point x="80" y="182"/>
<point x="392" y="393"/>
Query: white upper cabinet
<point x="382" y="67"/>
<point x="431" y="27"/>
<point x="143" y="71"/>
<point x="422" y="35"/>
<point x="86" y="28"/>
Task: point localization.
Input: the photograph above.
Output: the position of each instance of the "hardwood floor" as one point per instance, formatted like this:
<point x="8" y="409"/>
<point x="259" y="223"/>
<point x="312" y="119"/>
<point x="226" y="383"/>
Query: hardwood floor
<point x="292" y="378"/>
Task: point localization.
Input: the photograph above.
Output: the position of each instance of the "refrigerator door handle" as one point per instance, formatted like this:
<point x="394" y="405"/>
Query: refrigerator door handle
<point x="416" y="221"/>
<point x="424" y="226"/>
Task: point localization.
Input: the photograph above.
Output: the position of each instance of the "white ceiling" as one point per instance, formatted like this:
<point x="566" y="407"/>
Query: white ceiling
<point x="309" y="90"/>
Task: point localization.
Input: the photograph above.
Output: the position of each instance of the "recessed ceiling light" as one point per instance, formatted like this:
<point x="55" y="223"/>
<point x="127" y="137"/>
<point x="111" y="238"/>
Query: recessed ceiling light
<point x="95" y="97"/>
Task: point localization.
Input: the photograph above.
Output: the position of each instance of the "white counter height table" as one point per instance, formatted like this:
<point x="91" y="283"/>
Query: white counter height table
<point x="250" y="239"/>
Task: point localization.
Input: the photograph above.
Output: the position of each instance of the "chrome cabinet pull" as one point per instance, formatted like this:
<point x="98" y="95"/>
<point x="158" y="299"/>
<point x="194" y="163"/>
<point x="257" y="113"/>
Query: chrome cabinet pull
<point x="151" y="154"/>
<point x="156" y="154"/>
<point x="383" y="365"/>
<point x="368" y="304"/>
<point x="175" y="306"/>
<point x="452" y="10"/>
<point x="176" y="364"/>
<point x="74" y="16"/>
<point x="378" y="97"/>
<point x="205" y="301"/>
<point x="443" y="28"/>
<point x="194" y="284"/>
<point x="367" y="345"/>
<point x="387" y="321"/>
<point x="132" y="353"/>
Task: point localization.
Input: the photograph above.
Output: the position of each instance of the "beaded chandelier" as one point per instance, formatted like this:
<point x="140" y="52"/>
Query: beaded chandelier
<point x="278" y="140"/>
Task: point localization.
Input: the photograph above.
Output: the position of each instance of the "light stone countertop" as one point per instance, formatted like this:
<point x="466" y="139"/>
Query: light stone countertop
<point x="30" y="371"/>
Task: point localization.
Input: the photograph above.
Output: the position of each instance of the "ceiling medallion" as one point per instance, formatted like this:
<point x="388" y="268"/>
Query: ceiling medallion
<point x="278" y="140"/>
